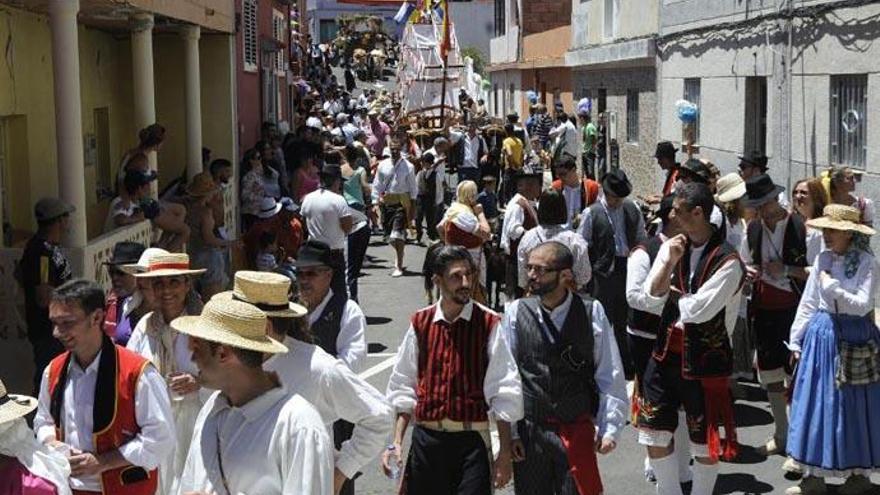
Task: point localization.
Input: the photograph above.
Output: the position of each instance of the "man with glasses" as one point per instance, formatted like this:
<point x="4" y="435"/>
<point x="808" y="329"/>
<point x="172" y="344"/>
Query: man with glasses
<point x="753" y="164"/>
<point x="573" y="384"/>
<point x="119" y="321"/>
<point x="104" y="405"/>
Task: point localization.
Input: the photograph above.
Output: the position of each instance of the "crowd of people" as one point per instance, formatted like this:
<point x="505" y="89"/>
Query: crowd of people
<point x="216" y="365"/>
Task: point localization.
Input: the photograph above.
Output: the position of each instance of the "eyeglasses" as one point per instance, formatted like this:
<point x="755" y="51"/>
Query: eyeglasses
<point x="541" y="270"/>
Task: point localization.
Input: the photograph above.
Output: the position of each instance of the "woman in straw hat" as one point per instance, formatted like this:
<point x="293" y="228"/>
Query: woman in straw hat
<point x="206" y="249"/>
<point x="836" y="389"/>
<point x="27" y="467"/>
<point x="170" y="278"/>
<point x="254" y="435"/>
<point x="339" y="395"/>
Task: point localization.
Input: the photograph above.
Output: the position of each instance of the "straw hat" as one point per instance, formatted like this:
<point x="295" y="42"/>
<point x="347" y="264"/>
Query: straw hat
<point x="144" y="261"/>
<point x="168" y="265"/>
<point x="233" y="323"/>
<point x="266" y="290"/>
<point x="841" y="217"/>
<point x="14" y="406"/>
<point x="731" y="187"/>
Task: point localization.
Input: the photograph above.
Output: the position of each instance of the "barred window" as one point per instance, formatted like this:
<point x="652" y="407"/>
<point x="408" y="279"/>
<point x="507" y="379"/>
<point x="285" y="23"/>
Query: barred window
<point x="632" y="116"/>
<point x="249" y="34"/>
<point x="692" y="94"/>
<point x="500" y="18"/>
<point x="278" y="32"/>
<point x="849" y="120"/>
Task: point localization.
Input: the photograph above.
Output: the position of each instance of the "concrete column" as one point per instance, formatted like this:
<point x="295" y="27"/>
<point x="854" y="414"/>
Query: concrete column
<point x="68" y="116"/>
<point x="143" y="81"/>
<point x="193" y="83"/>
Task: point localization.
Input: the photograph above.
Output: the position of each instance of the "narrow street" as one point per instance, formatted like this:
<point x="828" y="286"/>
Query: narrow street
<point x="388" y="304"/>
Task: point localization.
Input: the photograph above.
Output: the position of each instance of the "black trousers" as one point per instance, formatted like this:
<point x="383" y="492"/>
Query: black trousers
<point x="511" y="279"/>
<point x="469" y="173"/>
<point x="426" y="210"/>
<point x="337" y="283"/>
<point x="358" y="242"/>
<point x="588" y="164"/>
<point x="610" y="290"/>
<point x="640" y="349"/>
<point x="447" y="463"/>
<point x="545" y="470"/>
<point x="771" y="328"/>
<point x="342" y="431"/>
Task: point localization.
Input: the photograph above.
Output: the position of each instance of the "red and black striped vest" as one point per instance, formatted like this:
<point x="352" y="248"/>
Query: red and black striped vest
<point x="453" y="358"/>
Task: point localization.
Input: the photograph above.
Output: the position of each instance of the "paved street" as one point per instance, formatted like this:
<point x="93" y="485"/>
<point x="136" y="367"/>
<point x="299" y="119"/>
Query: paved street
<point x="388" y="304"/>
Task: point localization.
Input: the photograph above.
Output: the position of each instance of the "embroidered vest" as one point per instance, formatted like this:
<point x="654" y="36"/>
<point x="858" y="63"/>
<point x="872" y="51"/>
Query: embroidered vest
<point x="327" y="327"/>
<point x="705" y="347"/>
<point x="452" y="363"/>
<point x="602" y="248"/>
<point x="642" y="320"/>
<point x="558" y="377"/>
<point x="114" y="420"/>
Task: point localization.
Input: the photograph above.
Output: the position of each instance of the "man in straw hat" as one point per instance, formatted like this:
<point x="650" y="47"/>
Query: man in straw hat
<point x="473" y="378"/>
<point x="612" y="226"/>
<point x="105" y="405"/>
<point x="253" y="435"/>
<point x="775" y="258"/>
<point x="327" y="383"/>
<point x="395" y="190"/>
<point x="694" y="284"/>
<point x="27" y="467"/>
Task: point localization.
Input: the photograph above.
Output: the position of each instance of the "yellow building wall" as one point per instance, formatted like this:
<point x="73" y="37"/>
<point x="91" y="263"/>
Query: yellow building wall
<point x="218" y="95"/>
<point x="170" y="105"/>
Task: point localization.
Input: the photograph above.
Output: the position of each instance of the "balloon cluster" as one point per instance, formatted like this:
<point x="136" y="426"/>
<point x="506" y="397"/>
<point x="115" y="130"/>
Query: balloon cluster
<point x="687" y="111"/>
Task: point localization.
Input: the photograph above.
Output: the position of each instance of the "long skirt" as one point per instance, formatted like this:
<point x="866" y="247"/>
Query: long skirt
<point x="833" y="431"/>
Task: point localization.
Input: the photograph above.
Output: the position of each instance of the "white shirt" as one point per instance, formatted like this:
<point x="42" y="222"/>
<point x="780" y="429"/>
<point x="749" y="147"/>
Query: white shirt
<point x="514" y="216"/>
<point x="116" y="209"/>
<point x="351" y="345"/>
<point x="573" y="204"/>
<point x="613" y="401"/>
<point x="152" y="412"/>
<point x="337" y="393"/>
<point x="720" y="292"/>
<point x="582" y="269"/>
<point x="314" y="122"/>
<point x="771" y="250"/>
<point x="568" y="132"/>
<point x="638" y="265"/>
<point x="815" y="244"/>
<point x="395" y="178"/>
<point x="849" y="296"/>
<point x="502" y="386"/>
<point x="274" y="444"/>
<point x="323" y="209"/>
<point x="471" y="147"/>
<point x="617" y="220"/>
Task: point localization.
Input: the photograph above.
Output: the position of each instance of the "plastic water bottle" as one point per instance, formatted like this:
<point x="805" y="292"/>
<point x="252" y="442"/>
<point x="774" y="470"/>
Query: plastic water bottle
<point x="394" y="473"/>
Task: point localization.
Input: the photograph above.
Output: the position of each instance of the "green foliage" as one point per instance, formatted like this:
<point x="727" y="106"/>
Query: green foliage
<point x="478" y="58"/>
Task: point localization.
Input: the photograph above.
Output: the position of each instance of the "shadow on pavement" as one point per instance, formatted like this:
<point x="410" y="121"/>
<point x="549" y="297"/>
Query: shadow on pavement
<point x="748" y="455"/>
<point x="378" y="320"/>
<point x="375" y="347"/>
<point x="740" y="483"/>
<point x="747" y="415"/>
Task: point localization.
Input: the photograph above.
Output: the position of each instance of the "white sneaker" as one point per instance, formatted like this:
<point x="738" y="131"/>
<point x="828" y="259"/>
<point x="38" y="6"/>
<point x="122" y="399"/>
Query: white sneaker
<point x="855" y="485"/>
<point x="397" y="273"/>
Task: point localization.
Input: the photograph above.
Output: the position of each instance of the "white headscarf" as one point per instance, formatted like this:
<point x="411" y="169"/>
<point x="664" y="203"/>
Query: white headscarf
<point x="17" y="440"/>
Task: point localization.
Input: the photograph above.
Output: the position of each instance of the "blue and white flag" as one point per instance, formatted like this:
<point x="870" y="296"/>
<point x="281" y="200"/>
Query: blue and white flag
<point x="404" y="13"/>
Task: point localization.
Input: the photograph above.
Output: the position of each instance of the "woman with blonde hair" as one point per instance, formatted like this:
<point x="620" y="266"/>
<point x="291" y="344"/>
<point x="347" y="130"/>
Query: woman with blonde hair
<point x="464" y="224"/>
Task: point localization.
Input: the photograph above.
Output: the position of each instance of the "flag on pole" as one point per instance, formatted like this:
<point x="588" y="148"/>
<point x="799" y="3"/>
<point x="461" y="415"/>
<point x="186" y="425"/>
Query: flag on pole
<point x="403" y="15"/>
<point x="446" y="42"/>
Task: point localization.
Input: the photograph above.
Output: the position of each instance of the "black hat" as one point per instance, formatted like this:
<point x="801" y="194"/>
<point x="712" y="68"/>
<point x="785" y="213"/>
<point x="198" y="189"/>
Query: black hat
<point x="126" y="253"/>
<point x="665" y="149"/>
<point x="314" y="253"/>
<point x="522" y="174"/>
<point x="696" y="169"/>
<point x="759" y="190"/>
<point x="617" y="183"/>
<point x="332" y="171"/>
<point x="754" y="159"/>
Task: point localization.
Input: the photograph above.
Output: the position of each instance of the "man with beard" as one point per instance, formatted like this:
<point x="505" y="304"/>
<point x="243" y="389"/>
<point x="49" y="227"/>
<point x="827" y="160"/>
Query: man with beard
<point x="454" y="372"/>
<point x="571" y="379"/>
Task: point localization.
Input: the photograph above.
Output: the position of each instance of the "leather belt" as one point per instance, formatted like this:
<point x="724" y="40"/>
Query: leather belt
<point x="453" y="426"/>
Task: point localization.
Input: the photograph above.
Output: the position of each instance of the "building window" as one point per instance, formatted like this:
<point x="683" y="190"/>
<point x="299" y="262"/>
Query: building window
<point x="511" y="95"/>
<point x="500" y="18"/>
<point x="612" y="9"/>
<point x="692" y="94"/>
<point x="495" y="107"/>
<point x="756" y="115"/>
<point x="849" y="120"/>
<point x="279" y="33"/>
<point x="249" y="34"/>
<point x="602" y="101"/>
<point x="632" y="116"/>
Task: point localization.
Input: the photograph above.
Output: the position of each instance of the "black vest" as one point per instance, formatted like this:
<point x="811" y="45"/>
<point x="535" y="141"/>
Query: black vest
<point x="642" y="320"/>
<point x="558" y="379"/>
<point x="326" y="328"/>
<point x="794" y="245"/>
<point x="706" y="350"/>
<point x="602" y="250"/>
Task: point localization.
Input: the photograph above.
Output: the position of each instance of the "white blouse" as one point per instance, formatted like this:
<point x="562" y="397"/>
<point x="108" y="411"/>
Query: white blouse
<point x="837" y="293"/>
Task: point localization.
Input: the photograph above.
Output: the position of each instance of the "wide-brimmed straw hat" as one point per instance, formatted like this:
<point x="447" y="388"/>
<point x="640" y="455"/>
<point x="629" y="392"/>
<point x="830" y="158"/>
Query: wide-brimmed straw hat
<point x="841" y="217"/>
<point x="731" y="187"/>
<point x="169" y="265"/>
<point x="14" y="406"/>
<point x="233" y="323"/>
<point x="267" y="291"/>
<point x="144" y="261"/>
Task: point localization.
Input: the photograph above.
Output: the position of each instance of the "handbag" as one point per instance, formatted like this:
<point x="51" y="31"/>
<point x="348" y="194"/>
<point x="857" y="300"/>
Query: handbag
<point x="857" y="364"/>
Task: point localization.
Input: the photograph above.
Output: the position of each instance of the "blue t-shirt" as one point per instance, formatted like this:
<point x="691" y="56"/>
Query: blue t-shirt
<point x="489" y="202"/>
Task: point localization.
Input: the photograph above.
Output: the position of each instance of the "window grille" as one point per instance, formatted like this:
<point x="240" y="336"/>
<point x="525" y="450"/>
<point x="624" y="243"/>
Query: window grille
<point x="849" y="120"/>
<point x="632" y="116"/>
<point x="249" y="34"/>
